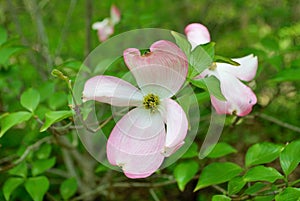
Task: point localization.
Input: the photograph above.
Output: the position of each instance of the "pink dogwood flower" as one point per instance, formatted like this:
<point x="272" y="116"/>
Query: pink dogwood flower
<point x="105" y="28"/>
<point x="239" y="97"/>
<point x="157" y="125"/>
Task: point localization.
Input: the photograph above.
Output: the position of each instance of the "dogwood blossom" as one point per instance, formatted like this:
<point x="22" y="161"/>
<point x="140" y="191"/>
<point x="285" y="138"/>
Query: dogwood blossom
<point x="157" y="125"/>
<point x="239" y="97"/>
<point x="105" y="28"/>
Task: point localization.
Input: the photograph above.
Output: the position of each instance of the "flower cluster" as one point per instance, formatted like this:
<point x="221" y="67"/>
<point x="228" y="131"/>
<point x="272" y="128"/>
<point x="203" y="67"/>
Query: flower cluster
<point x="239" y="97"/>
<point x="156" y="127"/>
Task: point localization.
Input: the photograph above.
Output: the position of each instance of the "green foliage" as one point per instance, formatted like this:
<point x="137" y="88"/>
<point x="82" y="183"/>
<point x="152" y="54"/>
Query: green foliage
<point x="222" y="59"/>
<point x="13" y="119"/>
<point x="255" y="188"/>
<point x="44" y="151"/>
<point x="30" y="99"/>
<point x="220" y="198"/>
<point x="221" y="149"/>
<point x="191" y="152"/>
<point x="288" y="194"/>
<point x="3" y="35"/>
<point x="290" y="157"/>
<point x="211" y="84"/>
<point x="39" y="166"/>
<point x="53" y="117"/>
<point x="287" y="75"/>
<point x="182" y="43"/>
<point x="226" y="171"/>
<point x="7" y="52"/>
<point x="184" y="172"/>
<point x="68" y="188"/>
<point x="202" y="57"/>
<point x="261" y="173"/>
<point x="10" y="185"/>
<point x="32" y="163"/>
<point x="19" y="170"/>
<point x="262" y="153"/>
<point x="235" y="185"/>
<point x="37" y="187"/>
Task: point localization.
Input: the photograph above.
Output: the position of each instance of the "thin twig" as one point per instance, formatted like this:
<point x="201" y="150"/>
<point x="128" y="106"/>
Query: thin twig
<point x="26" y="152"/>
<point x="58" y="172"/>
<point x="123" y="185"/>
<point x="153" y="194"/>
<point x="279" y="122"/>
<point x="222" y="190"/>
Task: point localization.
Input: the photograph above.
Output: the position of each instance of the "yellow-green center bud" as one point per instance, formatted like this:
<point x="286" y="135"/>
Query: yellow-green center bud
<point x="151" y="102"/>
<point x="213" y="66"/>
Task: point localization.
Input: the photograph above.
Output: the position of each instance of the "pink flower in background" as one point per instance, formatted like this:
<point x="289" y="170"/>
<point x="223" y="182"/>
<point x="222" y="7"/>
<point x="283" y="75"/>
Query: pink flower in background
<point x="105" y="28"/>
<point x="239" y="97"/>
<point x="157" y="125"/>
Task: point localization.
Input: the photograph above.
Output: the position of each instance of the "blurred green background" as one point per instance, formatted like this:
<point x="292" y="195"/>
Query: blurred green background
<point x="49" y="34"/>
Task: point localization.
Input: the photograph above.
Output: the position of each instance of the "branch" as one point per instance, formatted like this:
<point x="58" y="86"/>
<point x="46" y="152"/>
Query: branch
<point x="26" y="152"/>
<point x="102" y="188"/>
<point x="279" y="122"/>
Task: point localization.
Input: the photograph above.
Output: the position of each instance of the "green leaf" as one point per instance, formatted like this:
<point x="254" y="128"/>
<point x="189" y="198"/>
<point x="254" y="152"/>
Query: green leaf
<point x="235" y="185"/>
<point x="262" y="153"/>
<point x="3" y="35"/>
<point x="68" y="188"/>
<point x="221" y="149"/>
<point x="182" y="42"/>
<point x="222" y="59"/>
<point x="19" y="170"/>
<point x="37" y="187"/>
<point x="202" y="57"/>
<point x="13" y="119"/>
<point x="55" y="116"/>
<point x="217" y="173"/>
<point x="10" y="185"/>
<point x="184" y="172"/>
<point x="262" y="173"/>
<point x="289" y="194"/>
<point x="254" y="188"/>
<point x="191" y="152"/>
<point x="220" y="198"/>
<point x="44" y="151"/>
<point x="7" y="52"/>
<point x="40" y="166"/>
<point x="264" y="198"/>
<point x="270" y="43"/>
<point x="58" y="100"/>
<point x="101" y="168"/>
<point x="30" y="99"/>
<point x="287" y="75"/>
<point x="290" y="157"/>
<point x="210" y="84"/>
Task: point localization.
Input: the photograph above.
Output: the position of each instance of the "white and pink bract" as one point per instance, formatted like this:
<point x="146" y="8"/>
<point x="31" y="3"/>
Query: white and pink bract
<point x="157" y="125"/>
<point x="105" y="28"/>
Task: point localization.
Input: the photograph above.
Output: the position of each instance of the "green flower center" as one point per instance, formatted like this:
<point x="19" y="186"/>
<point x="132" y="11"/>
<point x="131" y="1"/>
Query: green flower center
<point x="151" y="102"/>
